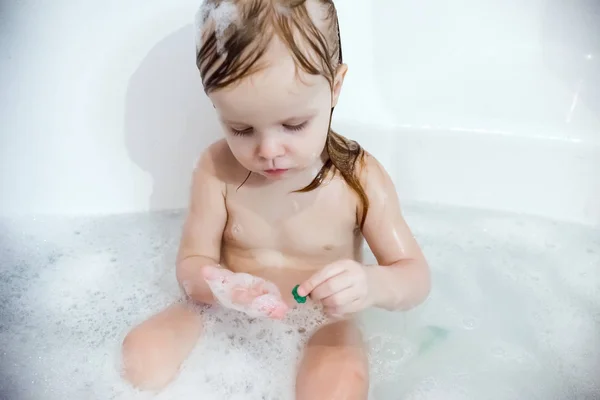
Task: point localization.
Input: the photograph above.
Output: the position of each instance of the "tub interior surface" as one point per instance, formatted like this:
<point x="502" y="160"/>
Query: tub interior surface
<point x="514" y="313"/>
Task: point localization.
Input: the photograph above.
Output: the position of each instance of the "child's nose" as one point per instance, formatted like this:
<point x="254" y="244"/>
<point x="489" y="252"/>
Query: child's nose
<point x="270" y="149"/>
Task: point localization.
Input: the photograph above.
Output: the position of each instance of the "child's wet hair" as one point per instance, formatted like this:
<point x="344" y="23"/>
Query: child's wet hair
<point x="233" y="36"/>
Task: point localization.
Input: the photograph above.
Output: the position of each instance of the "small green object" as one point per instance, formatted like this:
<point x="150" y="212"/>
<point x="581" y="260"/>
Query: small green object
<point x="297" y="297"/>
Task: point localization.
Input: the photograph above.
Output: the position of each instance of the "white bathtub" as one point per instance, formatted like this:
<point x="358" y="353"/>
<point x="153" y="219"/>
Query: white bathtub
<point x="492" y="140"/>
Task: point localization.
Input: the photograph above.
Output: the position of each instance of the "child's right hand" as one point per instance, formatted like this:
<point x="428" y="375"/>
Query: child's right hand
<point x="246" y="293"/>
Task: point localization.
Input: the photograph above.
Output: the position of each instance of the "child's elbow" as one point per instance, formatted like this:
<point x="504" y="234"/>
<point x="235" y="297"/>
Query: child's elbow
<point x="412" y="285"/>
<point x="421" y="286"/>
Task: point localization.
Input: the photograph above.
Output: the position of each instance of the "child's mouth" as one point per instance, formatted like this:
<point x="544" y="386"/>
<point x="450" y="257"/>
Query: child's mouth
<point x="275" y="172"/>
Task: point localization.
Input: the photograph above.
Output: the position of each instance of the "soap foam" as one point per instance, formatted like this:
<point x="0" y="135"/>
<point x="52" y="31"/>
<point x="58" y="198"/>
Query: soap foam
<point x="507" y="319"/>
<point x="243" y="292"/>
<point x="222" y="15"/>
<point x="251" y="358"/>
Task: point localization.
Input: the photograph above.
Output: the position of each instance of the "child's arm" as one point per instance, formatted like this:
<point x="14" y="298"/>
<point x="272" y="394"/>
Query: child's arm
<point x="203" y="229"/>
<point x="401" y="280"/>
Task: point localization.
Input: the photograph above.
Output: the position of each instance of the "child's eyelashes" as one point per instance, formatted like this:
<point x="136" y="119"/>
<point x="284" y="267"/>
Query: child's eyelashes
<point x="242" y="132"/>
<point x="249" y="131"/>
<point x="295" y="128"/>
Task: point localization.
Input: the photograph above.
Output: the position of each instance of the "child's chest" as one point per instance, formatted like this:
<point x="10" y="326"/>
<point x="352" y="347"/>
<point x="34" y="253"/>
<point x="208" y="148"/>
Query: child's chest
<point x="297" y="224"/>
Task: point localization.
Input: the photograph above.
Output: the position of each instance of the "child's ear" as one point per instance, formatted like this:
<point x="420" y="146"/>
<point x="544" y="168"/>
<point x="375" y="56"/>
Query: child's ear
<point x="338" y="82"/>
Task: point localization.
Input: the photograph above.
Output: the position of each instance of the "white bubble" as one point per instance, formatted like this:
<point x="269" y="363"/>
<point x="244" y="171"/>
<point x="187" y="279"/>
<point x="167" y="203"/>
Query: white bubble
<point x="470" y="323"/>
<point x="223" y="15"/>
<point x="88" y="282"/>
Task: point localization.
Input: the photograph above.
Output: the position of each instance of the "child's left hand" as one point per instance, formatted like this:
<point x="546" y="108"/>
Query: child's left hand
<point x="246" y="293"/>
<point x="343" y="287"/>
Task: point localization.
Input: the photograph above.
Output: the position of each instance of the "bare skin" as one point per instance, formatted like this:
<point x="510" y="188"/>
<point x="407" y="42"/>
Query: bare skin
<point x="282" y="240"/>
<point x="264" y="229"/>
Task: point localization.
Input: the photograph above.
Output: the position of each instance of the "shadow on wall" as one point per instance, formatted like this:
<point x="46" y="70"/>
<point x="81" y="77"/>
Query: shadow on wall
<point x="168" y="118"/>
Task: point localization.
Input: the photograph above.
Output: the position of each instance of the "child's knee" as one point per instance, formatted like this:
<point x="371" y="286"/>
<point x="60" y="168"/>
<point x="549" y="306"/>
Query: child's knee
<point x="335" y="374"/>
<point x="335" y="364"/>
<point x="345" y="364"/>
<point x="356" y="368"/>
<point x="144" y="363"/>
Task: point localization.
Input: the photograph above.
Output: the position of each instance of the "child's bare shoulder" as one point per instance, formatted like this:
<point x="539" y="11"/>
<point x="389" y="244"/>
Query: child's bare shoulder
<point x="217" y="162"/>
<point x="373" y="174"/>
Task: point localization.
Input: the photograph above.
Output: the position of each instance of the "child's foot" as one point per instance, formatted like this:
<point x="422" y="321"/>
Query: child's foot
<point x="246" y="293"/>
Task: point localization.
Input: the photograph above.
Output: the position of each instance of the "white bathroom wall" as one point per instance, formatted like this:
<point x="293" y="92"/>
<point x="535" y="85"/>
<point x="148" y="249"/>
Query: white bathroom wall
<point x="102" y="109"/>
<point x="521" y="67"/>
<point x="102" y="100"/>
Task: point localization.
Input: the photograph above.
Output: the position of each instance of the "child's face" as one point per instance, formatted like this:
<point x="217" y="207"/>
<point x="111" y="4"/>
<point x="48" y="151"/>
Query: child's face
<point x="276" y="120"/>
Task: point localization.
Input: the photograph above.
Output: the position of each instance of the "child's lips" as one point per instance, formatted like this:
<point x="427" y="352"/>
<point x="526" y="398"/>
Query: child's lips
<point x="278" y="171"/>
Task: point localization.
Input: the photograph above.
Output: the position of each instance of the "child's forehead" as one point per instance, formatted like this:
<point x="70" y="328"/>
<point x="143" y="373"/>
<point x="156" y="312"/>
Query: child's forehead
<point x="278" y="65"/>
<point x="267" y="95"/>
<point x="279" y="82"/>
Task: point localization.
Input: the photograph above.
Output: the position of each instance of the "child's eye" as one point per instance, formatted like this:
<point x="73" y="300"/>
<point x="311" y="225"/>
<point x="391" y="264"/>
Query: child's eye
<point x="242" y="132"/>
<point x="298" y="127"/>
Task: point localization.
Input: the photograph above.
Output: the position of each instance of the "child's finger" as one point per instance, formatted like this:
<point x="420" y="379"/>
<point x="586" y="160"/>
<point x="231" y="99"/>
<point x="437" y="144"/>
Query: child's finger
<point x="271" y="306"/>
<point x="321" y="276"/>
<point x="331" y="287"/>
<point x="340" y="299"/>
<point x="279" y="312"/>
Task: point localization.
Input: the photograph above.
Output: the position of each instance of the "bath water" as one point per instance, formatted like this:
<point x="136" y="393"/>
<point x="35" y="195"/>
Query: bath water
<point x="514" y="313"/>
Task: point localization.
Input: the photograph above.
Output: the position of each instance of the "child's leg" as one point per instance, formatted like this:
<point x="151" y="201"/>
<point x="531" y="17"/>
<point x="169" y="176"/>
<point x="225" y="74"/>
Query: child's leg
<point x="154" y="350"/>
<point x="335" y="365"/>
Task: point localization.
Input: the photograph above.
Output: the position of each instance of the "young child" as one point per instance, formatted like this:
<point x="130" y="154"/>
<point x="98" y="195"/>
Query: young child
<point x="282" y="200"/>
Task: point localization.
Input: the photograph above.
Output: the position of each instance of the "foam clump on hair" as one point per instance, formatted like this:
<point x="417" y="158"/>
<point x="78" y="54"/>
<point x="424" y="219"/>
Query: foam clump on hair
<point x="223" y="14"/>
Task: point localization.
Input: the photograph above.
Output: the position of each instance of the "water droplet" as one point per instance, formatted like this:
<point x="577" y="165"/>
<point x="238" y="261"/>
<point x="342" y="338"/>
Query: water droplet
<point x="470" y="323"/>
